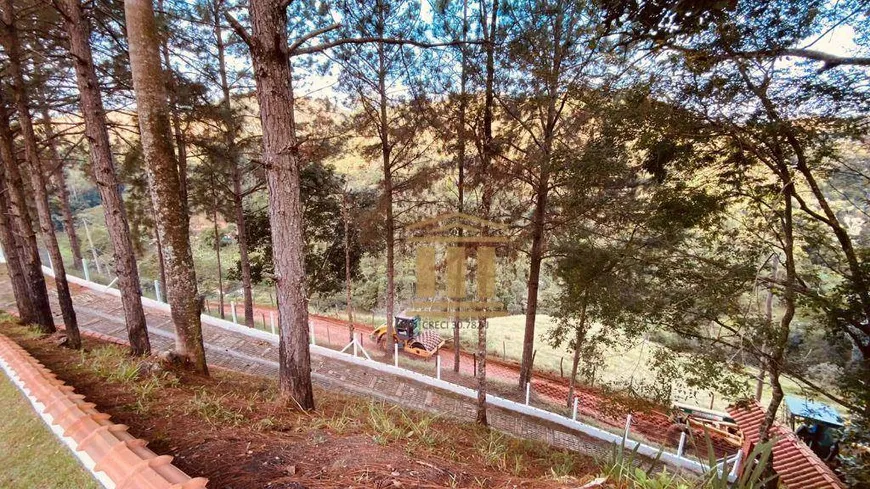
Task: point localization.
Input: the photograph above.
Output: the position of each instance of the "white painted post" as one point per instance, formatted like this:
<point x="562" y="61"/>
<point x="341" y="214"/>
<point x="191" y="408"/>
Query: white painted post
<point x="272" y="320"/>
<point x="313" y="341"/>
<point x="627" y="426"/>
<point x="233" y="307"/>
<point x="396" y="355"/>
<point x="438" y="367"/>
<point x="157" y="291"/>
<point x="682" y="444"/>
<point x="574" y="413"/>
<point x="85" y="267"/>
<point x="736" y="462"/>
<point x="528" y="392"/>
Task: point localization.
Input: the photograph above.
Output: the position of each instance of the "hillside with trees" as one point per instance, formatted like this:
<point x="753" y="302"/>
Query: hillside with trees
<point x="684" y="186"/>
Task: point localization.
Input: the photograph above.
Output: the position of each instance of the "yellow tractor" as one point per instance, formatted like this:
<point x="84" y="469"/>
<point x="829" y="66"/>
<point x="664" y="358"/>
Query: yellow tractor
<point x="410" y="337"/>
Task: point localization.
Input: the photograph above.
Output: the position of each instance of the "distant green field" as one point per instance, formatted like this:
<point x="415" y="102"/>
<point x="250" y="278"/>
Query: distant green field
<point x="622" y="364"/>
<point x="31" y="457"/>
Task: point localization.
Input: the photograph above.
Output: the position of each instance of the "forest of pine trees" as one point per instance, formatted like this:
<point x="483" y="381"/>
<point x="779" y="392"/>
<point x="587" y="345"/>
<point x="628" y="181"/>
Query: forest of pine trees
<point x="691" y="174"/>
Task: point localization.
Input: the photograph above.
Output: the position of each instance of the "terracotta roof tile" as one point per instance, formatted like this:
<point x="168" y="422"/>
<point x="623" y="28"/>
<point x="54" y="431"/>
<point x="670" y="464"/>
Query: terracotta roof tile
<point x="797" y="466"/>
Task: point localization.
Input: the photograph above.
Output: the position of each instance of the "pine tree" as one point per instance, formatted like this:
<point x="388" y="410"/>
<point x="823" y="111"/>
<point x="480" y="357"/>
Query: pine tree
<point x="172" y="220"/>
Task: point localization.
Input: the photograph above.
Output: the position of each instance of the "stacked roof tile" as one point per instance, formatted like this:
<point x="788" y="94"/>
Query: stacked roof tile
<point x="117" y="458"/>
<point x="797" y="466"/>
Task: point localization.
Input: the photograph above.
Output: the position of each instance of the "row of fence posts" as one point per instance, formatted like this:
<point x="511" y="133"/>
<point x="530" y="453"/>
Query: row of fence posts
<point x="681" y="447"/>
<point x="358" y="345"/>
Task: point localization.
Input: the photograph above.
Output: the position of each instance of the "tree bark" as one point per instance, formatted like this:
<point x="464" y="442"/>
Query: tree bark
<point x="244" y="260"/>
<point x="535" y="258"/>
<point x="12" y="248"/>
<point x="272" y="71"/>
<point x="172" y="220"/>
<point x="386" y="150"/>
<point x="539" y="217"/>
<point x="780" y="337"/>
<point x="103" y="168"/>
<point x="345" y="216"/>
<point x="11" y="44"/>
<point x="29" y="256"/>
<point x="486" y="200"/>
<point x="578" y="347"/>
<point x="217" y="250"/>
<point x="60" y="182"/>
<point x="460" y="156"/>
<point x="236" y="174"/>
<point x="177" y="132"/>
<point x="768" y="314"/>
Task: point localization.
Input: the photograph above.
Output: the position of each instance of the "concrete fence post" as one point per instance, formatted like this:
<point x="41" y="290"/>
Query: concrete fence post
<point x="438" y="367"/>
<point x="233" y="307"/>
<point x="396" y="355"/>
<point x="157" y="291"/>
<point x="86" y="270"/>
<point x="682" y="445"/>
<point x="574" y="412"/>
<point x="313" y="341"/>
<point x="272" y="320"/>
<point x="528" y="392"/>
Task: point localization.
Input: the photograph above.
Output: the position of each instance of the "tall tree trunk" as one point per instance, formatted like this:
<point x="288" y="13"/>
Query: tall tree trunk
<point x="486" y="200"/>
<point x="232" y="147"/>
<point x="460" y="156"/>
<point x="29" y="256"/>
<point x="768" y="314"/>
<point x="386" y="149"/>
<point x="172" y="220"/>
<point x="177" y="132"/>
<point x="14" y="264"/>
<point x="217" y="249"/>
<point x="348" y="284"/>
<point x="60" y="179"/>
<point x="103" y="168"/>
<point x="11" y="44"/>
<point x="244" y="260"/>
<point x="780" y="336"/>
<point x="536" y="256"/>
<point x="539" y="217"/>
<point x="60" y="182"/>
<point x="578" y="348"/>
<point x="272" y="71"/>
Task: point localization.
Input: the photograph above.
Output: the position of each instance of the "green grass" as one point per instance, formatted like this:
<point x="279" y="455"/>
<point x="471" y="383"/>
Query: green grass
<point x="31" y="457"/>
<point x="622" y="365"/>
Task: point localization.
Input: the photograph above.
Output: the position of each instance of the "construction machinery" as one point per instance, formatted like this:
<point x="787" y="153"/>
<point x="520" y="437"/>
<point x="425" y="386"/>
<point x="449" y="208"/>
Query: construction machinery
<point x="411" y="337"/>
